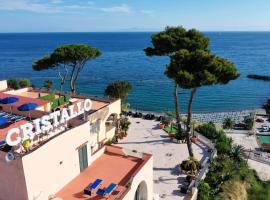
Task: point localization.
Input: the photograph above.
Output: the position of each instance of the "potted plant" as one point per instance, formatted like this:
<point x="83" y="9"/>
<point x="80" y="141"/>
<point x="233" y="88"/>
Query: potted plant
<point x="115" y="139"/>
<point x="109" y="142"/>
<point x="183" y="189"/>
<point x="194" y="138"/>
<point x="161" y="125"/>
<point x="190" y="166"/>
<point x="125" y="124"/>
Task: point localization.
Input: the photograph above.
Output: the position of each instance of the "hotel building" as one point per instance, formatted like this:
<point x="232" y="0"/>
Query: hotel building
<point x="60" y="162"/>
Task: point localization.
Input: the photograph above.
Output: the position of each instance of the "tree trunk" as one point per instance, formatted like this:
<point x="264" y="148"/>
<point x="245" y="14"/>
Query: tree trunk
<point x="177" y="112"/>
<point x="80" y="67"/>
<point x="64" y="78"/>
<point x="190" y="151"/>
<point x="72" y="89"/>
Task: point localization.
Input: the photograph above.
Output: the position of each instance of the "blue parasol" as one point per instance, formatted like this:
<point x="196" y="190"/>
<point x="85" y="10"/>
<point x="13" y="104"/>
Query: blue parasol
<point x="27" y="107"/>
<point x="9" y="100"/>
<point x="3" y="121"/>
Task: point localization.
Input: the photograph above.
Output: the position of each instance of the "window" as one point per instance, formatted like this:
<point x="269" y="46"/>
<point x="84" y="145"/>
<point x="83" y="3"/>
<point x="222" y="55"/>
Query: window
<point x="95" y="127"/>
<point x="83" y="159"/>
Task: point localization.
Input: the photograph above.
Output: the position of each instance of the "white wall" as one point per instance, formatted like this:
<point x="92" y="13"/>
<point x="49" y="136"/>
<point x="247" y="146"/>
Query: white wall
<point x="3" y="85"/>
<point x="145" y="174"/>
<point x="43" y="172"/>
<point x="14" y="92"/>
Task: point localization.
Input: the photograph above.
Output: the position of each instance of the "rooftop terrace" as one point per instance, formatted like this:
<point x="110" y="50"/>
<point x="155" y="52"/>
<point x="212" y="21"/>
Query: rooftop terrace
<point x="115" y="165"/>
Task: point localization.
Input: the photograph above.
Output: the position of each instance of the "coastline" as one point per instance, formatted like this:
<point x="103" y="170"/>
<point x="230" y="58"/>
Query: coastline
<point x="216" y="117"/>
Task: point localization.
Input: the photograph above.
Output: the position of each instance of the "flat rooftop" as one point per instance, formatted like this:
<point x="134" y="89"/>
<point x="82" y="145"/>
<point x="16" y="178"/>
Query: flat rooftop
<point x="23" y="100"/>
<point x="35" y="94"/>
<point x="113" y="166"/>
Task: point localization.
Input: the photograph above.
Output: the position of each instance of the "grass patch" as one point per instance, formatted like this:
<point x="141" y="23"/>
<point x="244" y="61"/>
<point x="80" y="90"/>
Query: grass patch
<point x="172" y="130"/>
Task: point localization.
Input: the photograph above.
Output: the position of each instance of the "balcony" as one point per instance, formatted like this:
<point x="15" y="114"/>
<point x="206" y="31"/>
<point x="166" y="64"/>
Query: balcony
<point x="115" y="165"/>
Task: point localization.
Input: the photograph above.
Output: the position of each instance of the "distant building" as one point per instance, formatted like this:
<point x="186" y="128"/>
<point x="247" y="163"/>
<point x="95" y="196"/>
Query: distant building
<point x="56" y="155"/>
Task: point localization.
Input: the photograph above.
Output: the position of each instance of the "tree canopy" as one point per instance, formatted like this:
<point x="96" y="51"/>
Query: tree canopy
<point x="67" y="57"/>
<point x="118" y="89"/>
<point x="200" y="68"/>
<point x="173" y="39"/>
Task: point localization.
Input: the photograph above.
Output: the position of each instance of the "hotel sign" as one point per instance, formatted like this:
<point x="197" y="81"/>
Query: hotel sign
<point x="46" y="123"/>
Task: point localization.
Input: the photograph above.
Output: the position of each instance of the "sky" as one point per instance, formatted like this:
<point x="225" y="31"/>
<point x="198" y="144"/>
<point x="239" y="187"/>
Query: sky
<point x="133" y="15"/>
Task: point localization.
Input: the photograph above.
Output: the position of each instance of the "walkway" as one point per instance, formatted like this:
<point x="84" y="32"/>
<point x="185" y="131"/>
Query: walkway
<point x="144" y="135"/>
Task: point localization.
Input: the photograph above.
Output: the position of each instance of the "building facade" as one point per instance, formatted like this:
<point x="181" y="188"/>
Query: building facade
<point x="61" y="162"/>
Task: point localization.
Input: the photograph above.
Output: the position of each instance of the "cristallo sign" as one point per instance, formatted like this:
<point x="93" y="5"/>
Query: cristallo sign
<point x="46" y="123"/>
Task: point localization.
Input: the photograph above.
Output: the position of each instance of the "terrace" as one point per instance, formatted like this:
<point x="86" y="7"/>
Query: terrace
<point x="115" y="165"/>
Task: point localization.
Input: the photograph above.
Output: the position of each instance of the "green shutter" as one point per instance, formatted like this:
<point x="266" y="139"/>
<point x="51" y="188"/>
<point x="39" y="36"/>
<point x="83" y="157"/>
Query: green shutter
<point x="83" y="159"/>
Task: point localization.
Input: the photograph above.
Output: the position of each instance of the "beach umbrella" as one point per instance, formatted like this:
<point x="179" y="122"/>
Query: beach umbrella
<point x="3" y="121"/>
<point x="9" y="100"/>
<point x="28" y="107"/>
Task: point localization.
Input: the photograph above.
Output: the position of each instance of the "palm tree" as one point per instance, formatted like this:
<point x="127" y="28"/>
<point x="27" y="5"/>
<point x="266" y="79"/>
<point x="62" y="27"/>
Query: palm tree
<point x="228" y="123"/>
<point x="191" y="165"/>
<point x="237" y="152"/>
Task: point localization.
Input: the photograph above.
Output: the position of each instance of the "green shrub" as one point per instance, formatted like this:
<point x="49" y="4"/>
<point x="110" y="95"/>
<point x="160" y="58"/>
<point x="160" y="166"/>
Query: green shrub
<point x="228" y="123"/>
<point x="204" y="191"/>
<point x="55" y="104"/>
<point x="61" y="100"/>
<point x="49" y="97"/>
<point x="249" y="122"/>
<point x="229" y="170"/>
<point x="48" y="84"/>
<point x="208" y="130"/>
<point x="23" y="83"/>
<point x="13" y="83"/>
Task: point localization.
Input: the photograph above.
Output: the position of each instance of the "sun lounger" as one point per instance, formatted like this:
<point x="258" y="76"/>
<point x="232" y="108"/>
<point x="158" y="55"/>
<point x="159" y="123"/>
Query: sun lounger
<point x="92" y="186"/>
<point x="2" y="143"/>
<point x="107" y="191"/>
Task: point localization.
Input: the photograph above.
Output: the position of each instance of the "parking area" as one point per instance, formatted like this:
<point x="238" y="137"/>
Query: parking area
<point x="262" y="124"/>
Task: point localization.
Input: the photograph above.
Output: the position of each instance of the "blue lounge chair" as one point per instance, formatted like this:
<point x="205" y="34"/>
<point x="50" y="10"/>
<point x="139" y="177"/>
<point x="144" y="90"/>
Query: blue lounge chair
<point x="92" y="186"/>
<point x="107" y="191"/>
<point x="2" y="143"/>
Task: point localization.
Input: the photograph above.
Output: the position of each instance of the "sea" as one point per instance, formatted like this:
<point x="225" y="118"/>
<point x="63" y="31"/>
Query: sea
<point x="123" y="58"/>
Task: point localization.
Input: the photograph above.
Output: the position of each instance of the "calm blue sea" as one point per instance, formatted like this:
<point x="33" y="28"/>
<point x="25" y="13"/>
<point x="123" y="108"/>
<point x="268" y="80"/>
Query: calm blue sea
<point x="123" y="59"/>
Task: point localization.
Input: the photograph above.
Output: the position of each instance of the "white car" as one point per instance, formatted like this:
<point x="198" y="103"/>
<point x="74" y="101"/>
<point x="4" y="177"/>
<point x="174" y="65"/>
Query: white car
<point x="265" y="128"/>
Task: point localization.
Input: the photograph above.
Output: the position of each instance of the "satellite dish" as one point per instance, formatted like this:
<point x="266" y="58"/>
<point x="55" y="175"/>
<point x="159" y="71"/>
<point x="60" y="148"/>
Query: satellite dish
<point x="9" y="157"/>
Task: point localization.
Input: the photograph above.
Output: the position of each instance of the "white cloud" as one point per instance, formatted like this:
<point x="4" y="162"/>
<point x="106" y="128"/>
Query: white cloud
<point x="117" y="9"/>
<point x="27" y="6"/>
<point x="58" y="6"/>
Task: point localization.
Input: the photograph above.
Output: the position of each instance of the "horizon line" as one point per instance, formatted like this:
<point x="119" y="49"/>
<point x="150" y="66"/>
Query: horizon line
<point x="127" y="31"/>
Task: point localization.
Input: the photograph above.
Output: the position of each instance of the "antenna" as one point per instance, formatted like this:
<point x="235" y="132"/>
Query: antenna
<point x="9" y="157"/>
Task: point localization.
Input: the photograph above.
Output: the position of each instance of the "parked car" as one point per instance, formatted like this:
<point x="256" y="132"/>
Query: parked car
<point x="259" y="120"/>
<point x="265" y="128"/>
